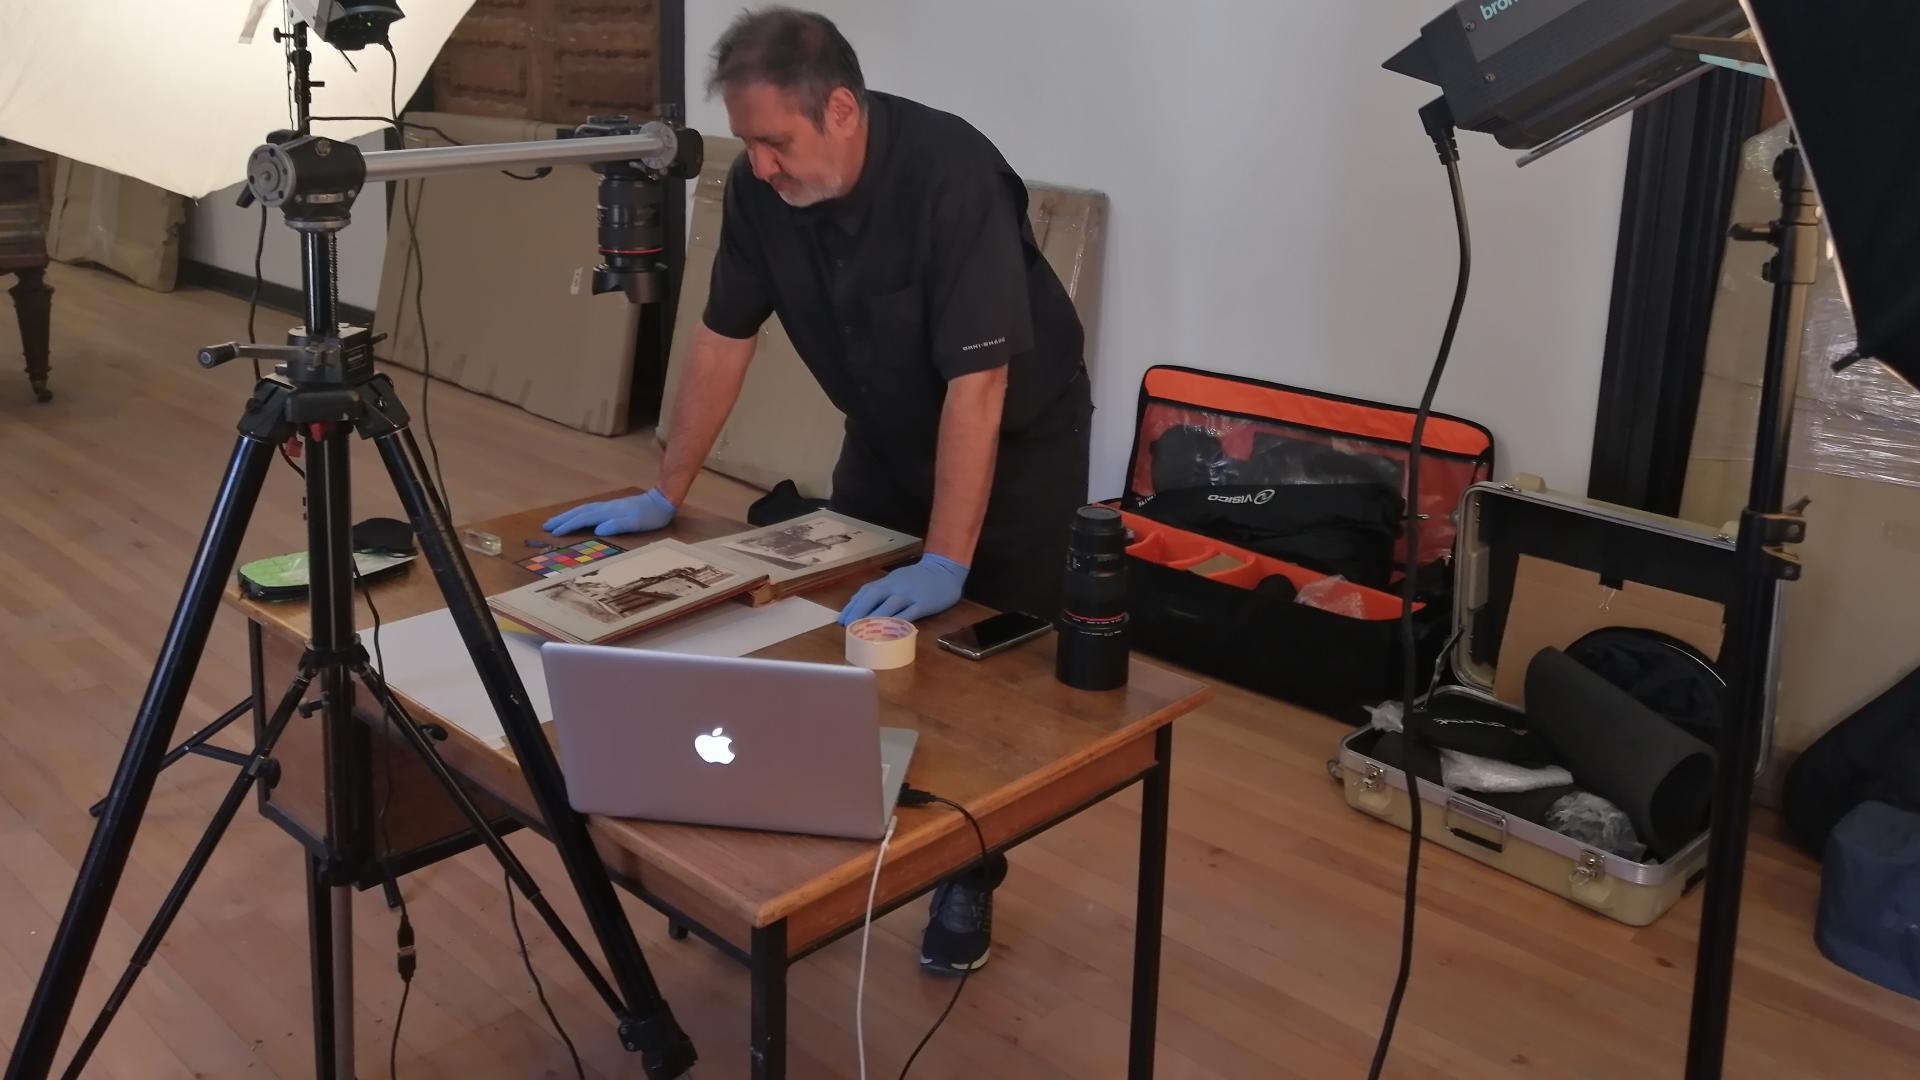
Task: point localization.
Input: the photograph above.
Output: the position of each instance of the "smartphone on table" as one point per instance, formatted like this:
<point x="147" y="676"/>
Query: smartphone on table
<point x="994" y="634"/>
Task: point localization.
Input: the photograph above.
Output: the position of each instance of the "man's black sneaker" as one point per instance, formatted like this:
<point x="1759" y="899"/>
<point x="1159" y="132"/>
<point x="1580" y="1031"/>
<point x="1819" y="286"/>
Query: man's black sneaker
<point x="959" y="929"/>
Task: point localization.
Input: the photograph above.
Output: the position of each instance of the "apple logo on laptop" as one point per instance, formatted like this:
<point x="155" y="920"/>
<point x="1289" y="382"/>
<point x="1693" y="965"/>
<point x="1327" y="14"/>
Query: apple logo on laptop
<point x="715" y="749"/>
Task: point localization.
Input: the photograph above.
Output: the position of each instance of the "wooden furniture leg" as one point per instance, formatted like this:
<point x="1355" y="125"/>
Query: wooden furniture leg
<point x="33" y="301"/>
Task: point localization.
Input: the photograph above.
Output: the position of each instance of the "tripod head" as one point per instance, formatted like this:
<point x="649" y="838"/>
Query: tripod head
<point x="311" y="178"/>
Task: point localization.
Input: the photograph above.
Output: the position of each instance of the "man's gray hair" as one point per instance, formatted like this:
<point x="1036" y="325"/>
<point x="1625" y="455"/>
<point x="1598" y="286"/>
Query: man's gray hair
<point x="801" y="52"/>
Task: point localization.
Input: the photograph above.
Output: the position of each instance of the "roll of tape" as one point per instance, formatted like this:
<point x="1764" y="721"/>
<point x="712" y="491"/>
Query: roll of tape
<point x="881" y="643"/>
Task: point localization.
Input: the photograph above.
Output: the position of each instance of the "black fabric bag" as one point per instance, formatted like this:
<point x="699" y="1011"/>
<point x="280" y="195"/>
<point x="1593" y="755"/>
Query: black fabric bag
<point x="1344" y="529"/>
<point x="1661" y="672"/>
<point x="1872" y="755"/>
<point x="1238" y="584"/>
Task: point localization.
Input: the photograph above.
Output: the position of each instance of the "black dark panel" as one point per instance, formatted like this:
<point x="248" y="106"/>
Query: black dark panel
<point x="1681" y="170"/>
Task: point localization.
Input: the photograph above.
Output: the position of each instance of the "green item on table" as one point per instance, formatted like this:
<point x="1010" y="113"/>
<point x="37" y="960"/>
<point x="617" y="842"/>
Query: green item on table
<point x="284" y="577"/>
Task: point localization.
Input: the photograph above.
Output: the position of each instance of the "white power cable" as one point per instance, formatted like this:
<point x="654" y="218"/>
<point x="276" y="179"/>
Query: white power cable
<point x="866" y="932"/>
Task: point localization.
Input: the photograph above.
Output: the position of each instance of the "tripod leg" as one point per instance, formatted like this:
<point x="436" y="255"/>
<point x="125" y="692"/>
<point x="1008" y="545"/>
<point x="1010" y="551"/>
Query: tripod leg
<point x="665" y="1049"/>
<point x="192" y="743"/>
<point x="341" y="908"/>
<point x="320" y="959"/>
<point x="516" y="870"/>
<point x="190" y="873"/>
<point x="349" y="802"/>
<point x="106" y="857"/>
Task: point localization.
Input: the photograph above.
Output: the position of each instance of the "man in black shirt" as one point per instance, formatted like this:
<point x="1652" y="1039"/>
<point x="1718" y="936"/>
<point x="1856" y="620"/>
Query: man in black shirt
<point x="892" y="240"/>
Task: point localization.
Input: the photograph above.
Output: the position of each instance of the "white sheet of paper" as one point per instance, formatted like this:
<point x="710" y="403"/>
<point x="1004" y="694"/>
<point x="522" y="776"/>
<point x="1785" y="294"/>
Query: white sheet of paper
<point x="426" y="661"/>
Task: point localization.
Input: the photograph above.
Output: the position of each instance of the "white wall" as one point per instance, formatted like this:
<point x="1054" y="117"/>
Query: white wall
<point x="1277" y="210"/>
<point x="221" y="234"/>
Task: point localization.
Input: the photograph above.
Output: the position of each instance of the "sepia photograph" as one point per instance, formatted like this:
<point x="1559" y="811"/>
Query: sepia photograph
<point x="811" y="542"/>
<point x="627" y="592"/>
<point x="623" y="588"/>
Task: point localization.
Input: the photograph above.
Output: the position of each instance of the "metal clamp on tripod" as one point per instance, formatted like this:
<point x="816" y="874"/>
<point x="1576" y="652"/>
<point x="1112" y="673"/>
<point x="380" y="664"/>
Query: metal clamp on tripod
<point x="325" y="387"/>
<point x="346" y="357"/>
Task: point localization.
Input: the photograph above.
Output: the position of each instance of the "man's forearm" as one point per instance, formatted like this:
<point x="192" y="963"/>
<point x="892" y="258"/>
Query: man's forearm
<point x="964" y="462"/>
<point x="701" y="405"/>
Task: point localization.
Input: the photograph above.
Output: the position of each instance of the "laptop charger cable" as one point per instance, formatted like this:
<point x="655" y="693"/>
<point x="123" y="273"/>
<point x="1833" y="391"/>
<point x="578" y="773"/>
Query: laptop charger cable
<point x="866" y="933"/>
<point x="912" y="796"/>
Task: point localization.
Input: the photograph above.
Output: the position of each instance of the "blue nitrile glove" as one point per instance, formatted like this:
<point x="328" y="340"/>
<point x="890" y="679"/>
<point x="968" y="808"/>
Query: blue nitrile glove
<point x="915" y="591"/>
<point x="633" y="514"/>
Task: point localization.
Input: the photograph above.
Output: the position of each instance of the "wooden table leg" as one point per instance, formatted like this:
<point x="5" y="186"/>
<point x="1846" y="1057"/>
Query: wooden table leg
<point x="33" y="300"/>
<point x="1154" y="791"/>
<point x="768" y="964"/>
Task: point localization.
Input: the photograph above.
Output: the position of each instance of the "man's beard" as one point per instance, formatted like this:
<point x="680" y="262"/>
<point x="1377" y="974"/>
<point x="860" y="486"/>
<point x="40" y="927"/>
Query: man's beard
<point x="808" y="194"/>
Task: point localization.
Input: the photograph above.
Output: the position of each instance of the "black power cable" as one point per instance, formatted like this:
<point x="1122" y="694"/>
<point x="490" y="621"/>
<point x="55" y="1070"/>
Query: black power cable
<point x="259" y="282"/>
<point x="417" y="267"/>
<point x="398" y="124"/>
<point x="513" y="915"/>
<point x="1438" y="120"/>
<point x="405" y="958"/>
<point x="916" y="797"/>
<point x="404" y="941"/>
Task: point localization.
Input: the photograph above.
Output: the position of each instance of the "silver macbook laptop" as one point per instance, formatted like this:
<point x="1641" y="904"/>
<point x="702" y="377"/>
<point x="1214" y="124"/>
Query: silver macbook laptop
<point x="759" y="744"/>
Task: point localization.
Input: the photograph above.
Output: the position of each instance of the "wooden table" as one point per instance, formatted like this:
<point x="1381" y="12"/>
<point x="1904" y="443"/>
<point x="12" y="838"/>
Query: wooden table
<point x="1001" y="737"/>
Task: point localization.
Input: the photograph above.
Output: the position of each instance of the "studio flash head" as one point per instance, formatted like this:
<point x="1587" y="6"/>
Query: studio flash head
<point x="631" y="212"/>
<point x="349" y="24"/>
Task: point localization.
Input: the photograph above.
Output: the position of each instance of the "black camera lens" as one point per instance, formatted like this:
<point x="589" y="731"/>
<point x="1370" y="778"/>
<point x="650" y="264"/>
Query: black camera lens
<point x="1093" y="647"/>
<point x="632" y="234"/>
<point x="632" y="215"/>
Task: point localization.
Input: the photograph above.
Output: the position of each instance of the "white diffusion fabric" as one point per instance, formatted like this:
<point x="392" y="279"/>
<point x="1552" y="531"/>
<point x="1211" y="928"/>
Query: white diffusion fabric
<point x="167" y="93"/>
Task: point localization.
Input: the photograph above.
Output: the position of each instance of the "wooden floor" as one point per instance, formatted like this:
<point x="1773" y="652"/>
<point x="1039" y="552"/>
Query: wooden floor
<point x="1283" y="904"/>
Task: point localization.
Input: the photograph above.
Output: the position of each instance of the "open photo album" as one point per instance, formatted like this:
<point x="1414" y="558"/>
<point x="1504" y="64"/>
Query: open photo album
<point x="654" y="583"/>
<point x="630" y="592"/>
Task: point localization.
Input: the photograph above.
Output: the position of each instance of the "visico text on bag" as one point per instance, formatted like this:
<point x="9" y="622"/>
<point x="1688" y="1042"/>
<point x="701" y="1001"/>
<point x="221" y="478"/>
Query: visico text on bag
<point x="1268" y="534"/>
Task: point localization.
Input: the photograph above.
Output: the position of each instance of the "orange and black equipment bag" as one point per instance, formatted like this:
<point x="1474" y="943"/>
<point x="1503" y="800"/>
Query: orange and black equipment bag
<point x="1268" y="534"/>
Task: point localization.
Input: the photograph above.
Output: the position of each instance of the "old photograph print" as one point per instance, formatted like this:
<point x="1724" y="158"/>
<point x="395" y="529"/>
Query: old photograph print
<point x="617" y="591"/>
<point x="810" y="542"/>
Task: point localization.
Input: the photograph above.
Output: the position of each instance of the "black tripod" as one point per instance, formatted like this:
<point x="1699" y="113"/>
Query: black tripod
<point x="1765" y="529"/>
<point x="325" y="390"/>
<point x="329" y="389"/>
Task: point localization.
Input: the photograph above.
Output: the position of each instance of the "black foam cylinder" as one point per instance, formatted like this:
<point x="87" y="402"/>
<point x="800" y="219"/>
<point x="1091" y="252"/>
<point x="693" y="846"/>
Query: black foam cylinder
<point x="1622" y="751"/>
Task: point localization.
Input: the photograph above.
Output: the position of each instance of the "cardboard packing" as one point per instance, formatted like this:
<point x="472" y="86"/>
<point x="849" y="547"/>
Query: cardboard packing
<point x="508" y="268"/>
<point x="1555" y="605"/>
<point x="783" y="426"/>
<point x="128" y="226"/>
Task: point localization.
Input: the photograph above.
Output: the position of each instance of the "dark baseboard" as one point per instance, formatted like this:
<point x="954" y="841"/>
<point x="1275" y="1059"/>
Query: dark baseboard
<point x="273" y="295"/>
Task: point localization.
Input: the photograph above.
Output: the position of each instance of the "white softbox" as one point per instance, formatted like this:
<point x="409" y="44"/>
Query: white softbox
<point x="166" y="91"/>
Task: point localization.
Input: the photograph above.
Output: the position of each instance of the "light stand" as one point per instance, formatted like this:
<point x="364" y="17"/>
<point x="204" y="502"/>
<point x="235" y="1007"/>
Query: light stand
<point x="1763" y="565"/>
<point x="1848" y="85"/>
<point x="326" y="387"/>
